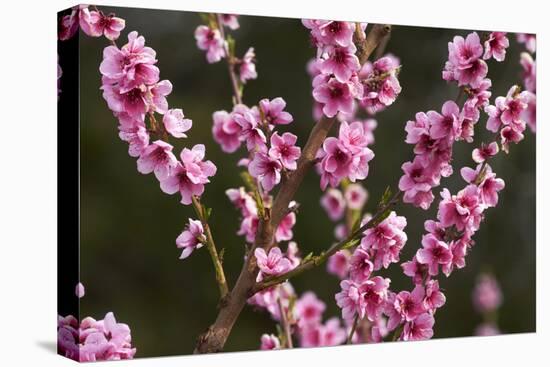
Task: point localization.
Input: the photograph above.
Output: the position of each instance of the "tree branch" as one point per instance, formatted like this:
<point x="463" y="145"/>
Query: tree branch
<point x="213" y="340"/>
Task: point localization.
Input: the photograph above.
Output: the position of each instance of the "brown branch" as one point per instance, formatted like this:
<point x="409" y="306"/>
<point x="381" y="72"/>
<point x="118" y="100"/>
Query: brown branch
<point x="373" y="39"/>
<point x="213" y="340"/>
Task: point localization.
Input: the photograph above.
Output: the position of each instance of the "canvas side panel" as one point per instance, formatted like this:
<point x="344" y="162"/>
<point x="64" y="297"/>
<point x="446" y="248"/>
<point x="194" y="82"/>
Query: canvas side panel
<point x="68" y="165"/>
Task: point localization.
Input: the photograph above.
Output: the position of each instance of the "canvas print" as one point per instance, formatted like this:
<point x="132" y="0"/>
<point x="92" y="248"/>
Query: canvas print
<point x="239" y="183"/>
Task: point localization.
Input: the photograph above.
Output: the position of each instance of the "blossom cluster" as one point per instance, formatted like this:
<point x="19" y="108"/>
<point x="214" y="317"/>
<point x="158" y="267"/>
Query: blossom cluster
<point x="345" y="156"/>
<point x="304" y="316"/>
<point x="133" y="91"/>
<point x="93" y="23"/>
<point x="509" y="115"/>
<point x="211" y="38"/>
<point x="94" y="340"/>
<point x="339" y="79"/>
<point x="270" y="153"/>
<point x="433" y="134"/>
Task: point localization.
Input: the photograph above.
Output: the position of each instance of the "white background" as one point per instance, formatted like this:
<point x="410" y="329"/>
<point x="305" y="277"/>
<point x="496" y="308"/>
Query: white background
<point x="28" y="182"/>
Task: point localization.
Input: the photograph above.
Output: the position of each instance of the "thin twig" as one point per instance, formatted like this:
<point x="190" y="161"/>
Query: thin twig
<point x="285" y="324"/>
<point x="211" y="246"/>
<point x="230" y="64"/>
<point x="317" y="260"/>
<point x="353" y="327"/>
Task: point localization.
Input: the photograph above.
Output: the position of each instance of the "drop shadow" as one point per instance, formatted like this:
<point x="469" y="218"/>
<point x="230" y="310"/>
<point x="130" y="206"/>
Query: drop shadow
<point x="48" y="345"/>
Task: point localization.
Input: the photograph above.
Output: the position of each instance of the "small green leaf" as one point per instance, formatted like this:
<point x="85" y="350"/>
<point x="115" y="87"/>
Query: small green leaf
<point x="351" y="244"/>
<point x="307" y="258"/>
<point x="385" y="197"/>
<point x="222" y="252"/>
<point x="207" y="213"/>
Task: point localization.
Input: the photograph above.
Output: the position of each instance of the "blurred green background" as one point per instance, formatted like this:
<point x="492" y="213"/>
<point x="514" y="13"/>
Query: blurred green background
<point x="129" y="261"/>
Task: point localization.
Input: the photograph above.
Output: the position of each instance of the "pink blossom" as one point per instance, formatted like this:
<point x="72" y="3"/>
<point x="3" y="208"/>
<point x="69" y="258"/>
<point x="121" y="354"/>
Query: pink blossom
<point x="415" y="270"/>
<point x="410" y="304"/>
<point x="230" y="20"/>
<point x="271" y="299"/>
<point x="92" y="340"/>
<point x="80" y="291"/>
<point x="273" y="263"/>
<point x="417" y="182"/>
<point x="530" y="41"/>
<point x="381" y="86"/>
<point x="247" y="67"/>
<point x="242" y="200"/>
<point x="266" y="169"/>
<point x="336" y="33"/>
<point x="210" y="40"/>
<point x="157" y="157"/>
<point x="479" y="96"/>
<point x="175" y="123"/>
<point x="134" y="132"/>
<point x="130" y="66"/>
<point x="353" y="136"/>
<point x="226" y="131"/>
<point x="447" y="124"/>
<point x="507" y="111"/>
<point x="495" y="46"/>
<point x="273" y="111"/>
<point x="338" y="264"/>
<point x="284" y="230"/>
<point x="489" y="185"/>
<point x="462" y="210"/>
<point x="293" y="254"/>
<point x="529" y="115"/>
<point x="484" y="152"/>
<point x="159" y="92"/>
<point x="487" y="329"/>
<point x="360" y="265"/>
<point x="465" y="64"/>
<point x="348" y="299"/>
<point x="249" y="226"/>
<point x="269" y="342"/>
<point x="340" y="231"/>
<point x="385" y="240"/>
<point x="191" y="238"/>
<point x="100" y="24"/>
<point x="356" y="196"/>
<point x="373" y="293"/>
<point x="341" y="62"/>
<point x="323" y="335"/>
<point x="529" y="72"/>
<point x="250" y="130"/>
<point x="420" y="328"/>
<point x="335" y="96"/>
<point x="434" y="253"/>
<point x="285" y="150"/>
<point x="68" y="25"/>
<point x="487" y="296"/>
<point x="309" y="309"/>
<point x="335" y="163"/>
<point x="189" y="176"/>
<point x="434" y="298"/>
<point x="333" y="203"/>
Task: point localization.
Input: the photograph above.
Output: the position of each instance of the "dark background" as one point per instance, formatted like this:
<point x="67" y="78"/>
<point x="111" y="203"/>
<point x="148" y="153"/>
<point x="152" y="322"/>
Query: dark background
<point x="129" y="262"/>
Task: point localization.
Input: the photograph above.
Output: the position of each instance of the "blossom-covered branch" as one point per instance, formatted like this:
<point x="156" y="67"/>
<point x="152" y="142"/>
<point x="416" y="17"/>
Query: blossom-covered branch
<point x="216" y="336"/>
<point x="350" y="241"/>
